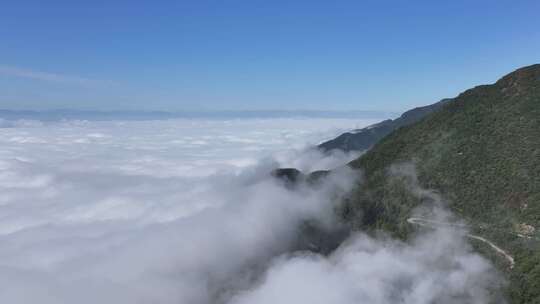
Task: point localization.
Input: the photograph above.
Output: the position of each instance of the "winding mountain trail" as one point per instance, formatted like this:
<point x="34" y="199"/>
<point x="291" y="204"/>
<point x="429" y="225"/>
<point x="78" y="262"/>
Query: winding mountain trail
<point x="436" y="224"/>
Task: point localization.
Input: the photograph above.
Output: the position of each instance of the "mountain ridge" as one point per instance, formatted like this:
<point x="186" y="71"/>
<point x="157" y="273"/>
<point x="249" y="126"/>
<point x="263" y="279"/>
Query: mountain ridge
<point x="365" y="138"/>
<point x="481" y="154"/>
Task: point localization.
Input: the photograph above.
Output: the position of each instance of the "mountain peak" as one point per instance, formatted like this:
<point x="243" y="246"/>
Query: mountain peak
<point x="521" y="77"/>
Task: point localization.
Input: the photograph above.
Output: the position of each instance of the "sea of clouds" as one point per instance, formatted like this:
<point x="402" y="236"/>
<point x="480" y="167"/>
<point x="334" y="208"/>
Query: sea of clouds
<point x="185" y="211"/>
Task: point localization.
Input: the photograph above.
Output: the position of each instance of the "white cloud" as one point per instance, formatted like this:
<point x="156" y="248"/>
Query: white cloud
<point x="438" y="267"/>
<point x="125" y="212"/>
<point x="135" y="212"/>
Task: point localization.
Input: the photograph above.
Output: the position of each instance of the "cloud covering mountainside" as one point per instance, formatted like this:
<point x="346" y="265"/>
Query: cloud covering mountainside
<point x="185" y="211"/>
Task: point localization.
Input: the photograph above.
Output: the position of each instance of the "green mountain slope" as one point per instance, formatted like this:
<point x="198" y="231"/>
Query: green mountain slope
<point x="481" y="154"/>
<point x="365" y="138"/>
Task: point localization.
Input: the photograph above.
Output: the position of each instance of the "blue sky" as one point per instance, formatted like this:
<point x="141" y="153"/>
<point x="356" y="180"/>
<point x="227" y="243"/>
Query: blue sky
<point x="256" y="55"/>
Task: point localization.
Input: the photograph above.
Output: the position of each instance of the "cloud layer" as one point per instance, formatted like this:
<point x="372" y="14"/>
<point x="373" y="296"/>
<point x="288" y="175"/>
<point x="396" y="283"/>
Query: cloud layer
<point x="148" y="212"/>
<point x="184" y="211"/>
<point x="437" y="268"/>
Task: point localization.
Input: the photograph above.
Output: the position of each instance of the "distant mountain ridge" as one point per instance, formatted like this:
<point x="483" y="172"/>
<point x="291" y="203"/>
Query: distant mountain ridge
<point x="365" y="138"/>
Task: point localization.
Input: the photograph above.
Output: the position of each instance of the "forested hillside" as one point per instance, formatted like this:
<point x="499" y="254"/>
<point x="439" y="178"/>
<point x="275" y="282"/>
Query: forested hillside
<point x="480" y="154"/>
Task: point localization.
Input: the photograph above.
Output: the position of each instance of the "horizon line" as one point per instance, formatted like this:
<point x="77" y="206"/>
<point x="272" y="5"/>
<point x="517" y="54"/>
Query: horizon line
<point x="59" y="114"/>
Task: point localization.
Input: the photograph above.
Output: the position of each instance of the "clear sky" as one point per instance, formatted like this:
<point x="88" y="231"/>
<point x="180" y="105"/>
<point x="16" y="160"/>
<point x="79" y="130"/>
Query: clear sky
<point x="255" y="55"/>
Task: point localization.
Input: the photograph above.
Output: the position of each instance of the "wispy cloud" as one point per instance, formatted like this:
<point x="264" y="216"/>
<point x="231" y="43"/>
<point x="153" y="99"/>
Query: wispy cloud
<point x="50" y="77"/>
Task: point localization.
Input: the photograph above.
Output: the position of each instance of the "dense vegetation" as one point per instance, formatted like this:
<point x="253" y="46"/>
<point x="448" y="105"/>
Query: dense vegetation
<point x="481" y="154"/>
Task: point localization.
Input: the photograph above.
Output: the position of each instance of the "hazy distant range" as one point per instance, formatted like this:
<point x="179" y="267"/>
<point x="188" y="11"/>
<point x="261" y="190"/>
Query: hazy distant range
<point x="52" y="115"/>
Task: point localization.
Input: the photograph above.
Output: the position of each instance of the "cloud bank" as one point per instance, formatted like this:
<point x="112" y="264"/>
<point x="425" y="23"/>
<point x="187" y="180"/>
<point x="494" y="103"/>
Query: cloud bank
<point x="184" y="211"/>
<point x="438" y="267"/>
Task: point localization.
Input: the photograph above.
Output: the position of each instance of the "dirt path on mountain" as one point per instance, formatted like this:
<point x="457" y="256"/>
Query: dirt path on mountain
<point x="436" y="224"/>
